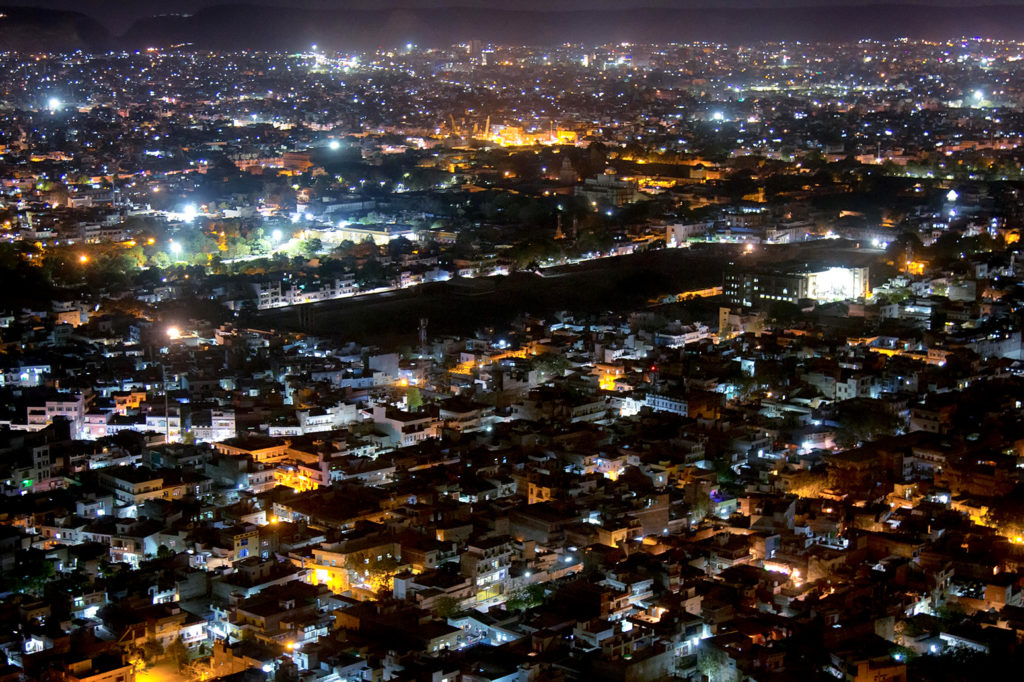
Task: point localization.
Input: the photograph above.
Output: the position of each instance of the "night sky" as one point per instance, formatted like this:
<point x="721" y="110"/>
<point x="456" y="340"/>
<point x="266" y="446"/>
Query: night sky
<point x="117" y="15"/>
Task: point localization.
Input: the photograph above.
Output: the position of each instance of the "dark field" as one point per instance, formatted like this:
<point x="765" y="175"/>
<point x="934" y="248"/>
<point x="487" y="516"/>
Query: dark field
<point x="618" y="285"/>
<point x="621" y="284"/>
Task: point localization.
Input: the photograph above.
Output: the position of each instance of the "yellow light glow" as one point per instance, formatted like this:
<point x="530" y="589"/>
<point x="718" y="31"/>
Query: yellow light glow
<point x="294" y="480"/>
<point x="915" y="267"/>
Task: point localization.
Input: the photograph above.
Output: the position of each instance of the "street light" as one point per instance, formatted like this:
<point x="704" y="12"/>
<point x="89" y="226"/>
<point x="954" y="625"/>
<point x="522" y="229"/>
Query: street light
<point x="173" y="332"/>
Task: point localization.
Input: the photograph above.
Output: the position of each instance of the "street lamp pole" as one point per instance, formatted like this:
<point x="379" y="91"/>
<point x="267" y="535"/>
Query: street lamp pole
<point x="172" y="334"/>
<point x="167" y="412"/>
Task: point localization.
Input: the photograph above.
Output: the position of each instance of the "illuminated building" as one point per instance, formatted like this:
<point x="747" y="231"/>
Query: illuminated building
<point x="380" y="234"/>
<point x="608" y="190"/>
<point x="296" y="478"/>
<point x="757" y="286"/>
<point x="516" y="136"/>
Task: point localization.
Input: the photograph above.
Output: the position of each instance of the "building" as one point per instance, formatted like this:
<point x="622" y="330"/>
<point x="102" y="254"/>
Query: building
<point x="760" y="286"/>
<point x="608" y="190"/>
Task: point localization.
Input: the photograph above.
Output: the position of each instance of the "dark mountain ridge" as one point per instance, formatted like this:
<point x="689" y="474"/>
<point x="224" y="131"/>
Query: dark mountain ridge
<point x="26" y="29"/>
<point x="239" y="26"/>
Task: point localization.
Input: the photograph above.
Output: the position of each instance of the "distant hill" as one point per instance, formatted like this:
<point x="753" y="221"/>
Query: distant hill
<point x="262" y="27"/>
<point x="242" y="26"/>
<point x="24" y="29"/>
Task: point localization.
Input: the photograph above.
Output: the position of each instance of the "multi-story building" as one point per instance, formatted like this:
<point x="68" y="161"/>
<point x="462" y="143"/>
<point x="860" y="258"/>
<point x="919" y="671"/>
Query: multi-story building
<point x="487" y="561"/>
<point x="761" y="286"/>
